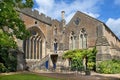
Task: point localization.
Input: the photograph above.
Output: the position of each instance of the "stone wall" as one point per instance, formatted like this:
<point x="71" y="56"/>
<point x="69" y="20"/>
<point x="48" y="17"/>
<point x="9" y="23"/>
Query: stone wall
<point x="114" y="43"/>
<point x="98" y="34"/>
<point x="35" y="15"/>
<point x="39" y="23"/>
<point x="88" y="23"/>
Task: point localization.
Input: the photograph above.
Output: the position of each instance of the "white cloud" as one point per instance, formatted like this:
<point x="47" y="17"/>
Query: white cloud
<point x="114" y="25"/>
<point x="117" y="2"/>
<point x="44" y="5"/>
<point x="53" y="9"/>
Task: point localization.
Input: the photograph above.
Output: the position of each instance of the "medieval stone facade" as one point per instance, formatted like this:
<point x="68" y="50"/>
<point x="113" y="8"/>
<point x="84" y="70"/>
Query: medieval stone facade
<point x="82" y="32"/>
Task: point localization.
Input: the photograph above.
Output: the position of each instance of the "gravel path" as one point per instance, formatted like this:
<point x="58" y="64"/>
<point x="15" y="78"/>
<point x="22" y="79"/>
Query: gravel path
<point x="79" y="76"/>
<point x="72" y="75"/>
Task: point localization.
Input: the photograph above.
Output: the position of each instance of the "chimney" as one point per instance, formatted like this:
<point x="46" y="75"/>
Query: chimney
<point x="63" y="18"/>
<point x="63" y="15"/>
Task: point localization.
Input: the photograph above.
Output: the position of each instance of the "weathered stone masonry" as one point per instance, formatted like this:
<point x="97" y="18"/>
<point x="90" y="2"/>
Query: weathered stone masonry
<point x="81" y="32"/>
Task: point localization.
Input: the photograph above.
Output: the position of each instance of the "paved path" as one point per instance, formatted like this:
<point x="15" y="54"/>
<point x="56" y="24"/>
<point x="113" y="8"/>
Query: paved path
<point x="107" y="75"/>
<point x="73" y="75"/>
<point x="81" y="76"/>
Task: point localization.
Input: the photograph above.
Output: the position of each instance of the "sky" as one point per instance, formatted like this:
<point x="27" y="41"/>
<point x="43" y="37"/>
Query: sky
<point x="107" y="11"/>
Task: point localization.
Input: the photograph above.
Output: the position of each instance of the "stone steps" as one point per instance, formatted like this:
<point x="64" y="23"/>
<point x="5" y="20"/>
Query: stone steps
<point x="40" y="65"/>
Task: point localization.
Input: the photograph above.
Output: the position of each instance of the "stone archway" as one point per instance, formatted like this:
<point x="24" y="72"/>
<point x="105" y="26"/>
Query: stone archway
<point x="35" y="44"/>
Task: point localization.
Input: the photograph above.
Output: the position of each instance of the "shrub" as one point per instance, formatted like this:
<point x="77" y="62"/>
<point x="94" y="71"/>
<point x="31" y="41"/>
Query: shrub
<point x="9" y="60"/>
<point x="109" y="67"/>
<point x="77" y="64"/>
<point x="2" y="68"/>
<point x="77" y="57"/>
<point x="91" y="65"/>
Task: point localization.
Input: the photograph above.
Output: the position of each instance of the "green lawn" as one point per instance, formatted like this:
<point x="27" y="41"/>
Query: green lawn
<point x="25" y="76"/>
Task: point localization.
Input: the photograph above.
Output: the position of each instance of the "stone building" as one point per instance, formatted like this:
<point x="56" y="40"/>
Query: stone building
<point x="81" y="32"/>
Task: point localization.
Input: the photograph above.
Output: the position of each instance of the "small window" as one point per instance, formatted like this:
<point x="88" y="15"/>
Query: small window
<point x="33" y="32"/>
<point x="72" y="33"/>
<point x="55" y="45"/>
<point x="77" y="21"/>
<point x="35" y="22"/>
<point x="55" y="30"/>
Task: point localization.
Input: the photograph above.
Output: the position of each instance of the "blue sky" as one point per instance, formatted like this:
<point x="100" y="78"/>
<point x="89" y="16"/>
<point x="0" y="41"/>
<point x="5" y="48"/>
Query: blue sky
<point x="107" y="11"/>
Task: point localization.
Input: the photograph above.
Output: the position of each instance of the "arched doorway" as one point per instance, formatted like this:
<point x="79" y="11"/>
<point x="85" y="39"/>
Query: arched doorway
<point x="35" y="44"/>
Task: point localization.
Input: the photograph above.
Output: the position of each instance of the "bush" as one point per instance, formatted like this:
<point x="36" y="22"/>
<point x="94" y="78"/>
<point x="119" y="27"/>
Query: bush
<point x="2" y="68"/>
<point x="9" y="60"/>
<point x="91" y="65"/>
<point x="109" y="67"/>
<point x="77" y="57"/>
<point x="77" y="64"/>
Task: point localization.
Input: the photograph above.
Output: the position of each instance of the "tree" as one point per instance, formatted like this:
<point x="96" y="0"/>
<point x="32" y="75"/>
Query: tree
<point x="7" y="41"/>
<point x="11" y="27"/>
<point x="10" y="21"/>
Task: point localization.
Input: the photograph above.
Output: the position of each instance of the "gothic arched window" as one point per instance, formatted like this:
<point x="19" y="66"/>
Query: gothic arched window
<point x="72" y="40"/>
<point x="35" y="45"/>
<point x="83" y="39"/>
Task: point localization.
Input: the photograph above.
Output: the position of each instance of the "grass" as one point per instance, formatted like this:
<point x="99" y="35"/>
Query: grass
<point x="25" y="76"/>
